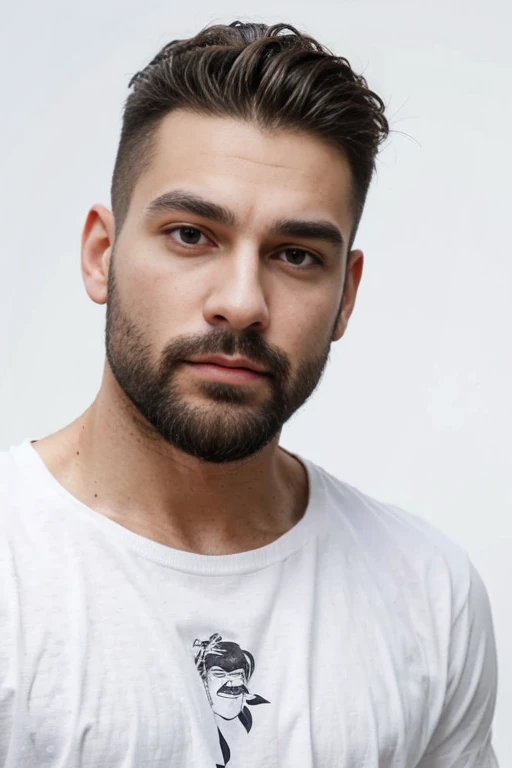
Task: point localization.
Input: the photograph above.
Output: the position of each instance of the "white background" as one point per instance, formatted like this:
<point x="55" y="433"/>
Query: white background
<point x="415" y="407"/>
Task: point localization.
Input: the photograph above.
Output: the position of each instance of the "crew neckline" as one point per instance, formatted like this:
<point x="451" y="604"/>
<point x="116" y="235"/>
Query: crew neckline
<point x="44" y="484"/>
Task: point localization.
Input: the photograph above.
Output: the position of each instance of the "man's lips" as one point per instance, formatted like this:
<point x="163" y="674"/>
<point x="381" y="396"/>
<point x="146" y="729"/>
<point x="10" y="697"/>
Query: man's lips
<point x="228" y="362"/>
<point x="227" y="370"/>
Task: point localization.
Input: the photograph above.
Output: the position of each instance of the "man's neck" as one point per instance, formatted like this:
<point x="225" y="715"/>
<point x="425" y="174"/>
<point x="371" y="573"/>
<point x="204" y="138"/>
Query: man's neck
<point x="110" y="460"/>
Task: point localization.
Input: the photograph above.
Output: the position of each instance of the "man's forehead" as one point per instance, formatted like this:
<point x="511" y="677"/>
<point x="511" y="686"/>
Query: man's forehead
<point x="181" y="131"/>
<point x="240" y="161"/>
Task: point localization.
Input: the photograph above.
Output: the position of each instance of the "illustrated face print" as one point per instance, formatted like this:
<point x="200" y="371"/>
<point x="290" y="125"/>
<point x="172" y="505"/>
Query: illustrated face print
<point x="227" y="691"/>
<point x="226" y="670"/>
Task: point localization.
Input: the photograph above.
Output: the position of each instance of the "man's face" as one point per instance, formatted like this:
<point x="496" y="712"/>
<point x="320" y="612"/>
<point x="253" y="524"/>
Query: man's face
<point x="227" y="691"/>
<point x="229" y="248"/>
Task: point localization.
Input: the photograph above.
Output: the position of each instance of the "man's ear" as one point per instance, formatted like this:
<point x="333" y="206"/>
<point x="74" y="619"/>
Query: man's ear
<point x="97" y="244"/>
<point x="355" y="262"/>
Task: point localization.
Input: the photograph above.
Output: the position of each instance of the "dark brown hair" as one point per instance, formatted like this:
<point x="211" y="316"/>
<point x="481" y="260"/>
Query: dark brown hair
<point x="274" y="76"/>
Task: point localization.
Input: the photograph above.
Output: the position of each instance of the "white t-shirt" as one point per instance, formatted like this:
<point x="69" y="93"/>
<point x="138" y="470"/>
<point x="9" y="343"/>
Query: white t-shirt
<point x="361" y="638"/>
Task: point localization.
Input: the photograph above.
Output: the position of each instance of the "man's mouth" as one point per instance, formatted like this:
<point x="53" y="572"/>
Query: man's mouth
<point x="225" y="374"/>
<point x="231" y="692"/>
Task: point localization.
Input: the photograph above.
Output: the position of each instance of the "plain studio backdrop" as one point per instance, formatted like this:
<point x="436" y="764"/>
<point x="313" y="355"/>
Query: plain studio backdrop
<point x="415" y="406"/>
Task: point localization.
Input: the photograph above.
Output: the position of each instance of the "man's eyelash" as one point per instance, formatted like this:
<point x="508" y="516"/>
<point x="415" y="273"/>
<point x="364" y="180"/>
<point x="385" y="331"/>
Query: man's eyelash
<point x="176" y="228"/>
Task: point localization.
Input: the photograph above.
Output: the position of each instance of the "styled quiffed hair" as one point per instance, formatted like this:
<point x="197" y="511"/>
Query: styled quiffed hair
<point x="274" y="76"/>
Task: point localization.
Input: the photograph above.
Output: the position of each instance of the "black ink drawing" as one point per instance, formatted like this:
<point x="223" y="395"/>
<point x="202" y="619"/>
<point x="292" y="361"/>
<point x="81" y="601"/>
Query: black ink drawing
<point x="226" y="670"/>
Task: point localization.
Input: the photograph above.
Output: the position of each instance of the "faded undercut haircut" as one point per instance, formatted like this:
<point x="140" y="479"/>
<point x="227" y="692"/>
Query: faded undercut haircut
<point x="273" y="76"/>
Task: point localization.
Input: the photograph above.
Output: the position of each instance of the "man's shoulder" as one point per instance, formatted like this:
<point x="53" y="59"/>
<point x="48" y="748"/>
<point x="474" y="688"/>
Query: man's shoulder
<point x="9" y="474"/>
<point x="13" y="486"/>
<point x="12" y="523"/>
<point x="394" y="538"/>
<point x="21" y="493"/>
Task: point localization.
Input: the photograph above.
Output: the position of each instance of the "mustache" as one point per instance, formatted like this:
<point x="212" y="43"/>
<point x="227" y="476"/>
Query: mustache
<point x="248" y="344"/>
<point x="232" y="690"/>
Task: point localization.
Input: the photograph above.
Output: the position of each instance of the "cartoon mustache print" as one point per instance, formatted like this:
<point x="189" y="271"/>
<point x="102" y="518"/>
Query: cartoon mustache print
<point x="232" y="691"/>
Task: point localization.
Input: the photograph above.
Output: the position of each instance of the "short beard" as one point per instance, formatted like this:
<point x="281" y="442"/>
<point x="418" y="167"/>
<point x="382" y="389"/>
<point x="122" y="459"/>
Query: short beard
<point x="231" y="427"/>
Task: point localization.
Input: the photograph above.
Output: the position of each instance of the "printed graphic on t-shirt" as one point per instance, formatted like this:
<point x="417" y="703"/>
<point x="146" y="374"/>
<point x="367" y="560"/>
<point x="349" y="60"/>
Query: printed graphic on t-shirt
<point x="226" y="670"/>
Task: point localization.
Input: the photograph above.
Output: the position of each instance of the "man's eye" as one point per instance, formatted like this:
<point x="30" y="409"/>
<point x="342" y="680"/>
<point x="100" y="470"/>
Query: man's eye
<point x="297" y="257"/>
<point x="188" y="236"/>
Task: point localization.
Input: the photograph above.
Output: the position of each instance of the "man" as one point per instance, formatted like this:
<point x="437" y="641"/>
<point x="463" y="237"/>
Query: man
<point x="167" y="512"/>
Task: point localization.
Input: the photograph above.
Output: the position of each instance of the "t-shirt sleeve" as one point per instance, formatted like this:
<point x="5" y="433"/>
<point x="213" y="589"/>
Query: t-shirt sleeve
<point x="462" y="738"/>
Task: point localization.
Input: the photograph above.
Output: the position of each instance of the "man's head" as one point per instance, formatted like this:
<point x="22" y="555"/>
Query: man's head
<point x="274" y="77"/>
<point x="244" y="162"/>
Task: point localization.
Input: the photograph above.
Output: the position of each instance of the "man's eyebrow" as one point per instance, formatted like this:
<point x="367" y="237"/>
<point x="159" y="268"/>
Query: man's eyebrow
<point x="309" y="230"/>
<point x="178" y="200"/>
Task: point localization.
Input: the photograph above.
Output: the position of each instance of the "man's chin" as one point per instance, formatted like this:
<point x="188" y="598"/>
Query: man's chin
<point x="226" y="395"/>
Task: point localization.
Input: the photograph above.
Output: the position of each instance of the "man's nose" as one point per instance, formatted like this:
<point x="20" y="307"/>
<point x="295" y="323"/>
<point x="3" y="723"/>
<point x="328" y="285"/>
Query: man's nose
<point x="237" y="297"/>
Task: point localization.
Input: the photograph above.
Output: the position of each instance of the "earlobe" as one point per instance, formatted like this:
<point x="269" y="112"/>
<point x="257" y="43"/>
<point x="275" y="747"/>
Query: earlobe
<point x="97" y="243"/>
<point x="355" y="262"/>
